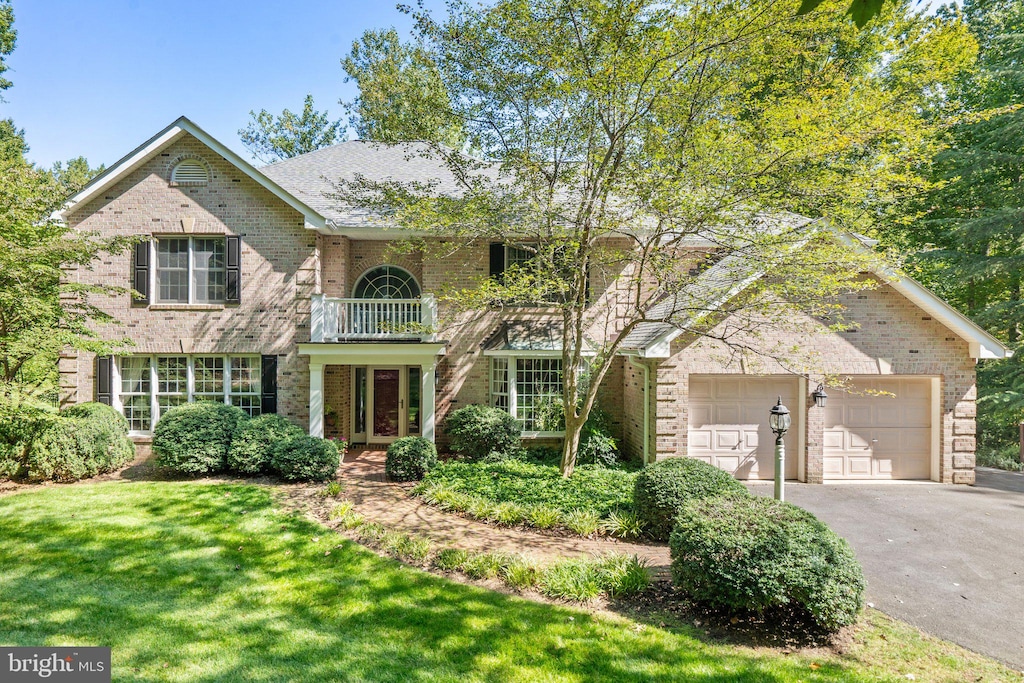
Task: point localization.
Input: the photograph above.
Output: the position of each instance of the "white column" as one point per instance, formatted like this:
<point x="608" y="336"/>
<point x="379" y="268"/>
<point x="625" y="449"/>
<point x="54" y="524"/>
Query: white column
<point x="316" y="318"/>
<point x="316" y="399"/>
<point x="427" y="400"/>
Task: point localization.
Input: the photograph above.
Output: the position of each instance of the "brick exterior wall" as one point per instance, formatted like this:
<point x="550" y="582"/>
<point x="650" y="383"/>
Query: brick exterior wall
<point x="279" y="272"/>
<point x="893" y="337"/>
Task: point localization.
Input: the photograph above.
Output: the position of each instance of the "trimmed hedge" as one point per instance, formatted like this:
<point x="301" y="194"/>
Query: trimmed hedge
<point x="662" y="488"/>
<point x="194" y="438"/>
<point x="252" y="445"/>
<point x="750" y="553"/>
<point x="410" y="458"/>
<point x="475" y="432"/>
<point x="306" y="458"/>
<point x="82" y="441"/>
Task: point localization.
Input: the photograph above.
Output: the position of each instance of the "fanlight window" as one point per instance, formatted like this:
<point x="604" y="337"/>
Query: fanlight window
<point x="190" y="171"/>
<point x="387" y="282"/>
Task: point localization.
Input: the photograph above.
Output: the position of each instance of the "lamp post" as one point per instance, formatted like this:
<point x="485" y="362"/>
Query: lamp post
<point x="779" y="420"/>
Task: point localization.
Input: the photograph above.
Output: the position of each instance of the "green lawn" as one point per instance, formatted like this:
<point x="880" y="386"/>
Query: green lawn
<point x="200" y="582"/>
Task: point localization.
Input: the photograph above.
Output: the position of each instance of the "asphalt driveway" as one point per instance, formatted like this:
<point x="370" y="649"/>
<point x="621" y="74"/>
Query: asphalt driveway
<point x="948" y="559"/>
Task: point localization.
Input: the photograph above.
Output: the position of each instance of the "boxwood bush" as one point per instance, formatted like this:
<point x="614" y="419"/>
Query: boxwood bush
<point x="476" y="432"/>
<point x="306" y="458"/>
<point x="409" y="458"/>
<point x="750" y="553"/>
<point x="252" y="445"/>
<point x="194" y="438"/>
<point x="662" y="488"/>
<point x="82" y="441"/>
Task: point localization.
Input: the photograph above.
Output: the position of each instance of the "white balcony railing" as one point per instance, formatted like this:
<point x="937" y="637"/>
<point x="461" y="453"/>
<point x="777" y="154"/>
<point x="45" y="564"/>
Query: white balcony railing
<point x="372" y="319"/>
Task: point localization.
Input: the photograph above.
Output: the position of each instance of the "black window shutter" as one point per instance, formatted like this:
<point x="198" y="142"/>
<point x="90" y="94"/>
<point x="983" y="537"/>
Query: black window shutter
<point x="268" y="384"/>
<point x="140" y="272"/>
<point x="233" y="293"/>
<point x="105" y="379"/>
<point x="497" y="258"/>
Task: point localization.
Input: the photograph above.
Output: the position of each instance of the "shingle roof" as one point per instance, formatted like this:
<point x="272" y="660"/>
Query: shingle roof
<point x="313" y="177"/>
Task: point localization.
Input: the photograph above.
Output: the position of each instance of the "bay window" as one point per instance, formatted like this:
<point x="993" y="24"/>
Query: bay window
<point x="530" y="389"/>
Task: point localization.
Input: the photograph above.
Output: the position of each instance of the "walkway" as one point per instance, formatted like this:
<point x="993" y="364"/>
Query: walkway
<point x="391" y="505"/>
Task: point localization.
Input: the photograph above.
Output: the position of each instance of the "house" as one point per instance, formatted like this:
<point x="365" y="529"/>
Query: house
<point x="259" y="290"/>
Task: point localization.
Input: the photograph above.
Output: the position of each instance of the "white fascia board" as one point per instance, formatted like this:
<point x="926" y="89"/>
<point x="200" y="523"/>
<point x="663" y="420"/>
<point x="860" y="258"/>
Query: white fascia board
<point x="312" y="219"/>
<point x="379" y="353"/>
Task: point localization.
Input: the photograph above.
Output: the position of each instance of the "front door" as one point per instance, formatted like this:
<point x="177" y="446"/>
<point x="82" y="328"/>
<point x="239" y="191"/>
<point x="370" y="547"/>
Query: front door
<point x="387" y="405"/>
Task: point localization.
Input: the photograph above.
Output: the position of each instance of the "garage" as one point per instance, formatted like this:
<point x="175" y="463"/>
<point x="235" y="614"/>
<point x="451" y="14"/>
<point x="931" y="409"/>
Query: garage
<point x="728" y="423"/>
<point x="880" y="428"/>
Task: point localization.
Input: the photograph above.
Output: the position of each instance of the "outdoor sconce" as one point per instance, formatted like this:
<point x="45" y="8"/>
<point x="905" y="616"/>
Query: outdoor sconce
<point x="819" y="396"/>
<point x="779" y="420"/>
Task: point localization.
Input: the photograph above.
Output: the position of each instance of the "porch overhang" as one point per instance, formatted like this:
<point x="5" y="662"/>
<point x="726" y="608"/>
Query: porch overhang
<point x="373" y="353"/>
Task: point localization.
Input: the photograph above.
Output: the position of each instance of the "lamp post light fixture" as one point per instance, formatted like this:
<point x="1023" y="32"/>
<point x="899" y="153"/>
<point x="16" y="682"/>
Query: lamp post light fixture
<point x="819" y="396"/>
<point x="779" y="420"/>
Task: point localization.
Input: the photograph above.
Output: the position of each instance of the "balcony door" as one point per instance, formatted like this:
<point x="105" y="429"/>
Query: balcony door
<point x="390" y="407"/>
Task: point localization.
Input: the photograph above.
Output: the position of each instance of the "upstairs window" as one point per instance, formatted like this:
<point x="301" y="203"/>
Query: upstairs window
<point x="387" y="282"/>
<point x="190" y="172"/>
<point x="190" y="270"/>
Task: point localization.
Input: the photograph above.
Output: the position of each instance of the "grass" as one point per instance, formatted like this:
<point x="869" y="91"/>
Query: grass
<point x="209" y="582"/>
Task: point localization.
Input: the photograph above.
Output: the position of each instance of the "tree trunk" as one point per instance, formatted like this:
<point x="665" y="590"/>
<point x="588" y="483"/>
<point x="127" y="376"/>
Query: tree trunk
<point x="573" y="430"/>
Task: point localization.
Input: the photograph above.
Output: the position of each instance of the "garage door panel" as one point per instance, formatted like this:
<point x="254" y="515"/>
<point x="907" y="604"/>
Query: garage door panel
<point x="700" y="389"/>
<point x="736" y="438"/>
<point x="871" y="435"/>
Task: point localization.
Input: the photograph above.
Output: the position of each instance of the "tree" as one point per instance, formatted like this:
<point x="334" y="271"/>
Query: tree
<point x="272" y="138"/>
<point x="73" y="176"/>
<point x="41" y="311"/>
<point x="615" y="131"/>
<point x="8" y="38"/>
<point x="967" y="234"/>
<point x="401" y="94"/>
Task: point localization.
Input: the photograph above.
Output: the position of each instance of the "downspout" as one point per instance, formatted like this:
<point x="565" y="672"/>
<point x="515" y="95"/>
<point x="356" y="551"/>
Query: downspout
<point x="647" y="406"/>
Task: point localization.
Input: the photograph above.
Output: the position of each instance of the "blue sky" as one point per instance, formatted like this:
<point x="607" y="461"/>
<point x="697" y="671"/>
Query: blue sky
<point x="98" y="77"/>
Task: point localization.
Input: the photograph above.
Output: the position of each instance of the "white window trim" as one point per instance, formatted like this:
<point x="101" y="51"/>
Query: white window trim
<point x="154" y="395"/>
<point x="154" y="275"/>
<point x="513" y="393"/>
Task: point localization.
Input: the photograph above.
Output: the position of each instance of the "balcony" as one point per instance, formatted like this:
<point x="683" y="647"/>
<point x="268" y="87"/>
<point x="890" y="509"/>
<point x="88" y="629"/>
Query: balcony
<point x="335" y="320"/>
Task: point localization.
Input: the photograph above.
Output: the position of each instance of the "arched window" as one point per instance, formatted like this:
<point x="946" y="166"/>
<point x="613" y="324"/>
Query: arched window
<point x="190" y="172"/>
<point x="387" y="282"/>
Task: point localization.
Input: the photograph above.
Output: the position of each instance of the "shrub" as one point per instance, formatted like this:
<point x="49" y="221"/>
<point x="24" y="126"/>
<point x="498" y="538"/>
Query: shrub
<point x="194" y="438"/>
<point x="543" y="516"/>
<point x="99" y="412"/>
<point x="305" y="458"/>
<point x="507" y="514"/>
<point x="484" y="565"/>
<point x="409" y="458"/>
<point x="749" y="553"/>
<point x="582" y="579"/>
<point x="662" y="488"/>
<point x="597" y="447"/>
<point x="475" y="431"/>
<point x="450" y="559"/>
<point x="252" y="445"/>
<point x="520" y="573"/>
<point x="623" y="523"/>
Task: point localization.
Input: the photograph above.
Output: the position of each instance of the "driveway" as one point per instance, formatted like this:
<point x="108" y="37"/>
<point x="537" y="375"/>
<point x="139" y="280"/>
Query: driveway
<point x="948" y="559"/>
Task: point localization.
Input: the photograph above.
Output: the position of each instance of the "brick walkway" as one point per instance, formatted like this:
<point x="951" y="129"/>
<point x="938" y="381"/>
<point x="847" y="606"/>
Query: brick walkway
<point x="391" y="504"/>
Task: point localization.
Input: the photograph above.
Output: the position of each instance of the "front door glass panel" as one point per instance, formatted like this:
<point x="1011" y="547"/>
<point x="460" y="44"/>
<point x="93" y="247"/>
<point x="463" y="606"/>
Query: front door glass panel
<point x="386" y="402"/>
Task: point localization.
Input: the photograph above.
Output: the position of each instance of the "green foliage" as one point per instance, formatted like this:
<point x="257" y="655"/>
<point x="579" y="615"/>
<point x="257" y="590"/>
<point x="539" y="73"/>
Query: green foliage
<point x="401" y="95"/>
<point x="410" y="458"/>
<point x="624" y="524"/>
<point x="543" y="516"/>
<point x="273" y="138"/>
<point x="597" y="446"/>
<point x="475" y="431"/>
<point x="75" y="444"/>
<point x="750" y="553"/>
<point x="519" y="573"/>
<point x="1006" y="458"/>
<point x="583" y="579"/>
<point x="342" y="509"/>
<point x="663" y="488"/>
<point x="594" y="488"/>
<point x="194" y="438"/>
<point x="8" y="37"/>
<point x="450" y="559"/>
<point x="484" y="565"/>
<point x="333" y="489"/>
<point x="582" y="522"/>
<point x="74" y="176"/>
<point x="305" y="458"/>
<point x="253" y="442"/>
<point x="507" y="513"/>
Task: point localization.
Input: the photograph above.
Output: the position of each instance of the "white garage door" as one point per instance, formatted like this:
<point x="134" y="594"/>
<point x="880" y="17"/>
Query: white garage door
<point x="728" y="425"/>
<point x="880" y="429"/>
